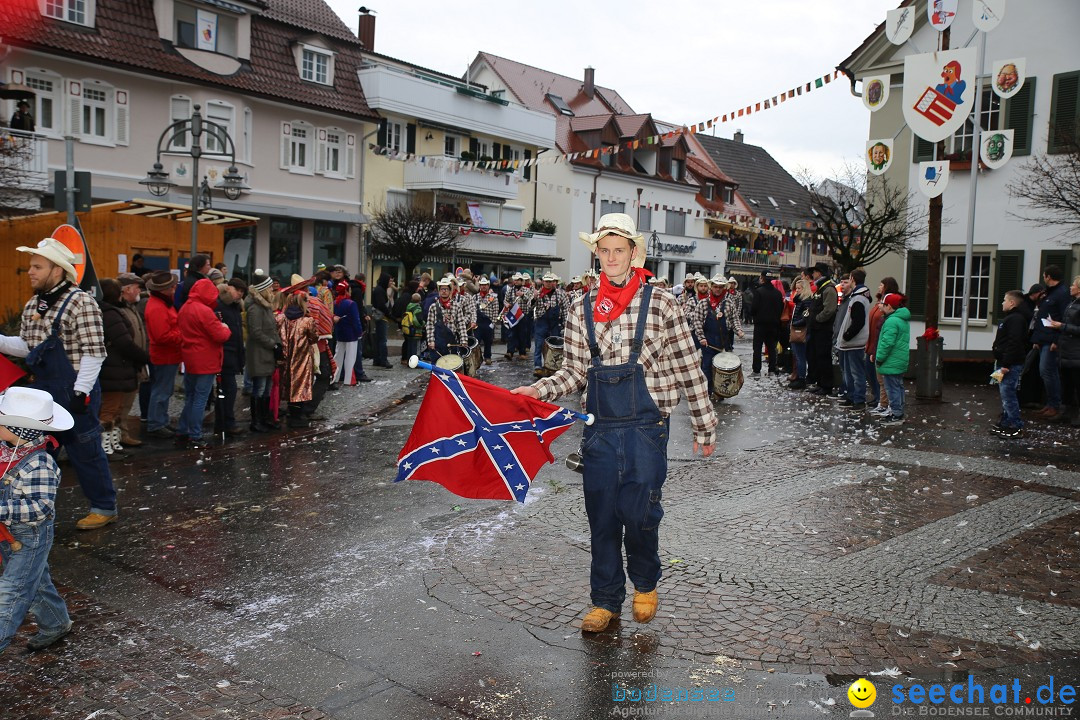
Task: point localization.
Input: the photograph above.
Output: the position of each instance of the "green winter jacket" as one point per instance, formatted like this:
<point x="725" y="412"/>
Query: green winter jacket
<point x="892" y="347"/>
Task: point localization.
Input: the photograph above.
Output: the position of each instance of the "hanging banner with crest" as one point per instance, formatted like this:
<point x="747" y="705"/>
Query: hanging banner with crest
<point x="936" y="101"/>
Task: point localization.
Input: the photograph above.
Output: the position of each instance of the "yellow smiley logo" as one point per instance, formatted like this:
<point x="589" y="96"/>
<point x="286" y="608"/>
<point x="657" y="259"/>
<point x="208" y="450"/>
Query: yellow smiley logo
<point x="862" y="693"/>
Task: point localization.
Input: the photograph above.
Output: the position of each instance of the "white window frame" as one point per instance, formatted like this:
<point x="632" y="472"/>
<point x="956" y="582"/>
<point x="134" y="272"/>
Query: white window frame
<point x="180" y="109"/>
<point x="453" y="141"/>
<point x="226" y="117"/>
<point x="291" y="144"/>
<point x="312" y="74"/>
<point x="248" y="132"/>
<point x="395" y="135"/>
<point x="952" y="287"/>
<point x="77" y="12"/>
<point x="36" y="79"/>
<point x="332" y="139"/>
<point x="990" y="117"/>
<point x="708" y="191"/>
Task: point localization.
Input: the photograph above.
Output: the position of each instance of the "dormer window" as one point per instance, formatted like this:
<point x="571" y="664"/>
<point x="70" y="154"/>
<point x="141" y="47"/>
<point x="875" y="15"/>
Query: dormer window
<point x="315" y="66"/>
<point x="80" y="12"/>
<point x="707" y="190"/>
<point x="204" y="29"/>
<point x="560" y="104"/>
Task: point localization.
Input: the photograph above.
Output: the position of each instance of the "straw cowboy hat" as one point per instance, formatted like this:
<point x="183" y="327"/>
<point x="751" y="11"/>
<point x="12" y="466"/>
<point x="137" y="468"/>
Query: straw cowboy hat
<point x="55" y="252"/>
<point x="619" y="224"/>
<point x="718" y="280"/>
<point x="34" y="409"/>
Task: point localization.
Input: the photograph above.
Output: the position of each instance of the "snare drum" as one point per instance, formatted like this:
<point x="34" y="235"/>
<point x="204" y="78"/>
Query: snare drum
<point x="552" y="353"/>
<point x="475" y="358"/>
<point x="450" y="362"/>
<point x="727" y="374"/>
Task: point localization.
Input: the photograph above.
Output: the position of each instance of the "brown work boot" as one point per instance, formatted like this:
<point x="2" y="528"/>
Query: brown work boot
<point x="645" y="604"/>
<point x="597" y="620"/>
<point x="1050" y="414"/>
<point x="94" y="520"/>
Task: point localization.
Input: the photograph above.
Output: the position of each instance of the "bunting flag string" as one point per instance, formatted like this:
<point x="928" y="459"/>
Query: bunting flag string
<point x="510" y="165"/>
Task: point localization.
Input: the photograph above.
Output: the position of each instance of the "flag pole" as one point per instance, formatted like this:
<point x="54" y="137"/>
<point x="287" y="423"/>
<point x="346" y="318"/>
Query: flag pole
<point x="415" y="362"/>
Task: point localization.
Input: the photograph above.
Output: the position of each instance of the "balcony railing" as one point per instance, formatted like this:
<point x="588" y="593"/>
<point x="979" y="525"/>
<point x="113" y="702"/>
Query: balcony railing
<point x="500" y="185"/>
<point x="757" y="258"/>
<point x="497" y="240"/>
<point x="24" y="161"/>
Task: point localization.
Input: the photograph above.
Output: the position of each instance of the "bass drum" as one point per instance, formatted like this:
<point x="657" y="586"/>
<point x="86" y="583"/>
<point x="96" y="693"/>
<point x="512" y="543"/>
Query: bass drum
<point x="450" y="362"/>
<point x="727" y="374"/>
<point x="552" y="353"/>
<point x="475" y="358"/>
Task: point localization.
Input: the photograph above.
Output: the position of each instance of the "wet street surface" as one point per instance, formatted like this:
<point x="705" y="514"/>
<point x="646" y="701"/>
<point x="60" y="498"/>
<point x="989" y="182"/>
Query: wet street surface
<point x="288" y="576"/>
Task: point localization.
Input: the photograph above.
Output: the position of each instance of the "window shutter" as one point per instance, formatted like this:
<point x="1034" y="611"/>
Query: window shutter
<point x="74" y="97"/>
<point x="380" y="139"/>
<point x="1020" y="116"/>
<point x="923" y="149"/>
<point x="1009" y="275"/>
<point x="528" y="170"/>
<point x="474" y="148"/>
<point x="916" y="283"/>
<point x="350" y="156"/>
<point x="410" y="139"/>
<point x="1064" y="112"/>
<point x="320" y="152"/>
<point x="286" y="134"/>
<point x="507" y="152"/>
<point x="1061" y="258"/>
<point x="496" y="151"/>
<point x="122" y="117"/>
<point x="179" y="109"/>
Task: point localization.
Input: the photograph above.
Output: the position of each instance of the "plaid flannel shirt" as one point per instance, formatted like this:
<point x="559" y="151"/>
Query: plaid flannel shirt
<point x="468" y="308"/>
<point x="523" y="296"/>
<point x="556" y="298"/>
<point x="488" y="305"/>
<point x="702" y="310"/>
<point x="669" y="357"/>
<point x="33" y="491"/>
<point x="81" y="329"/>
<point x="452" y="317"/>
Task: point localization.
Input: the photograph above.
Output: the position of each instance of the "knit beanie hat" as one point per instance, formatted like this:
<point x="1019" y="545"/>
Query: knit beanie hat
<point x="261" y="281"/>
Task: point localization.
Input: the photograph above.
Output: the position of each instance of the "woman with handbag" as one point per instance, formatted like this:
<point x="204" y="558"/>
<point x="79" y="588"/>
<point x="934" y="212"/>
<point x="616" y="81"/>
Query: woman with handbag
<point x="801" y="293"/>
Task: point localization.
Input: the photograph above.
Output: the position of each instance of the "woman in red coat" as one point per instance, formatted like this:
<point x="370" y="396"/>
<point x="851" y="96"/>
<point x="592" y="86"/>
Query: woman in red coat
<point x="163" y="329"/>
<point x="203" y="337"/>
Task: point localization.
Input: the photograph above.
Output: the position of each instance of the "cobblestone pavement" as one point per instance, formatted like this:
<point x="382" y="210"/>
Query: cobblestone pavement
<point x="813" y="548"/>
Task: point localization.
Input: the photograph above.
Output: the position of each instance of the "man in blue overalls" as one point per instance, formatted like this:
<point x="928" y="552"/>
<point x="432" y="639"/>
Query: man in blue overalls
<point x="447" y="326"/>
<point x="549" y="314"/>
<point x="632" y="351"/>
<point x="711" y="326"/>
<point x="63" y="341"/>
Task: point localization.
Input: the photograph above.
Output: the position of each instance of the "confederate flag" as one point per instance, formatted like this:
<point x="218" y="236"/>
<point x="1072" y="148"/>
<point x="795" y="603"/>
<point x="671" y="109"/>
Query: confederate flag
<point x="478" y="440"/>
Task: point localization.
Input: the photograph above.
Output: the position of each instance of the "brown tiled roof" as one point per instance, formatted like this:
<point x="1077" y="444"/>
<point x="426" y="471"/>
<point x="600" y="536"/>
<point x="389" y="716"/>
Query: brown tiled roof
<point x="630" y="125"/>
<point x="589" y="122"/>
<point x="314" y="15"/>
<point x="125" y="36"/>
<point x="530" y="85"/>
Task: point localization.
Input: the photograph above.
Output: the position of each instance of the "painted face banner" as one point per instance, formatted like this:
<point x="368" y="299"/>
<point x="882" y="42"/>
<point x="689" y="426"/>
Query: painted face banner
<point x="898" y="25"/>
<point x="879" y="155"/>
<point x="1008" y="76"/>
<point x="941" y="13"/>
<point x="986" y="14"/>
<point x="995" y="148"/>
<point x="933" y="177"/>
<point x="936" y="97"/>
<point x="875" y="92"/>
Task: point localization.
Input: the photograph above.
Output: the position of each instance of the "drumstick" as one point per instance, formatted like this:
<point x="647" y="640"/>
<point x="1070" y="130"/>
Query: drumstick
<point x="415" y="362"/>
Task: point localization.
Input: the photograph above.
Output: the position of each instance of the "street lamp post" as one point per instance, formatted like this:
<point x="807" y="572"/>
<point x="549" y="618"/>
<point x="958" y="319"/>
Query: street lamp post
<point x="157" y="181"/>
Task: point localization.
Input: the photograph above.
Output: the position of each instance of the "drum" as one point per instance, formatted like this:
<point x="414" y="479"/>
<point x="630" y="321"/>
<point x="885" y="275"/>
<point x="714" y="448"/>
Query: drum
<point x="475" y="359"/>
<point x="727" y="374"/>
<point x="450" y="362"/>
<point x="552" y="353"/>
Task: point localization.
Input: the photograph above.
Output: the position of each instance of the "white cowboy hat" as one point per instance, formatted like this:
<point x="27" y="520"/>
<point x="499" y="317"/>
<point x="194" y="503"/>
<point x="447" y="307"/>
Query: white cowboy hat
<point x="34" y="409"/>
<point x="718" y="280"/>
<point x="526" y="276"/>
<point x="732" y="281"/>
<point x="483" y="280"/>
<point x="617" y="224"/>
<point x="516" y="276"/>
<point x="550" y="277"/>
<point x="55" y="252"/>
<point x="575" y="279"/>
<point x="445" y="282"/>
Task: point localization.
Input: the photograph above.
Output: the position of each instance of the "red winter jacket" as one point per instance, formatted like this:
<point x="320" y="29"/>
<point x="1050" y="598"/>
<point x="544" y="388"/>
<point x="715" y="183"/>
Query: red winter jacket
<point x="164" y="331"/>
<point x="203" y="334"/>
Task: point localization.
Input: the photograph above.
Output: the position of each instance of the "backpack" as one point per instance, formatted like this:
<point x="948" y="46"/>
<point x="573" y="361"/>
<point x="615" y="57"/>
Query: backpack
<point x="410" y="324"/>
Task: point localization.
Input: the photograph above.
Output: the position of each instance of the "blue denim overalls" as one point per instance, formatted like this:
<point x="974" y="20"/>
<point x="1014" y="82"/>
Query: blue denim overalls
<point x="26" y="583"/>
<point x="625" y="463"/>
<point x="444" y="336"/>
<point x="716" y="335"/>
<point x="54" y="374"/>
<point x="545" y="326"/>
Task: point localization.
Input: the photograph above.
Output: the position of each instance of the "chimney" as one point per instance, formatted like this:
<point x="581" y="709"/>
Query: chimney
<point x="738" y="136"/>
<point x="590" y="87"/>
<point x="366" y="30"/>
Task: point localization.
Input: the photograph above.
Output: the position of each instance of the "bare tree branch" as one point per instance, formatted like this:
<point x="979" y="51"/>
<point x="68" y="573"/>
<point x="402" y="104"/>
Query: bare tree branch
<point x="1048" y="188"/>
<point x="864" y="218"/>
<point x="16" y="153"/>
<point x="411" y="233"/>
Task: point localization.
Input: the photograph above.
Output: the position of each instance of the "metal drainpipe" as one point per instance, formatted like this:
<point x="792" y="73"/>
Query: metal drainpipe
<point x="363" y="156"/>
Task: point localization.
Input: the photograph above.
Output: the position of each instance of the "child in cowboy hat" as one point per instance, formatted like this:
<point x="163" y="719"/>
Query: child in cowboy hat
<point x="27" y="507"/>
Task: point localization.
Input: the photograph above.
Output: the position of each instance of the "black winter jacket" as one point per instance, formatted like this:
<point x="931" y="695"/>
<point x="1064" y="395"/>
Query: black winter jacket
<point x="1069" y="339"/>
<point x="1011" y="343"/>
<point x="232" y="360"/>
<point x="768" y="305"/>
<point x="124" y="358"/>
<point x="1052" y="306"/>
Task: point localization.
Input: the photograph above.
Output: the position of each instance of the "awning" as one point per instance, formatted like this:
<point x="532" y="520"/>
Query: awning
<point x="182" y="213"/>
<point x="467" y="197"/>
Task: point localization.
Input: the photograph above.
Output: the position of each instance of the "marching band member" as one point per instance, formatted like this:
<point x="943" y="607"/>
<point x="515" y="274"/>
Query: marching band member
<point x="486" y="305"/>
<point x="549" y="313"/>
<point x="446" y="321"/>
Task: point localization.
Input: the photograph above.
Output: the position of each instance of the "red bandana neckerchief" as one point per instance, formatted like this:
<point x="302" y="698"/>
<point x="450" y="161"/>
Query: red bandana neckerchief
<point x="702" y="296"/>
<point x="612" y="300"/>
<point x="544" y="292"/>
<point x="446" y="303"/>
<point x="715" y="300"/>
